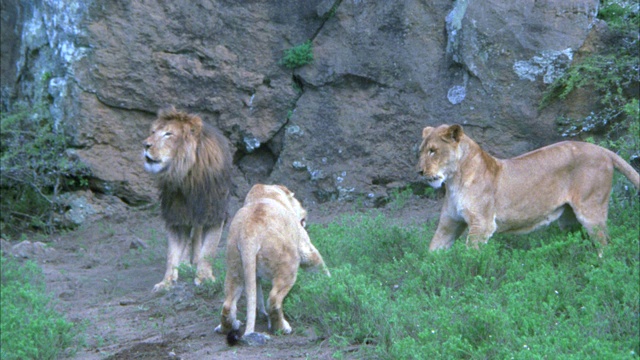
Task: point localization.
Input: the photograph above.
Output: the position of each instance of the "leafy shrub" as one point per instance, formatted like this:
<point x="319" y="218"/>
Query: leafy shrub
<point x="542" y="295"/>
<point x="34" y="168"/>
<point x="298" y="56"/>
<point x="29" y="327"/>
<point x="614" y="75"/>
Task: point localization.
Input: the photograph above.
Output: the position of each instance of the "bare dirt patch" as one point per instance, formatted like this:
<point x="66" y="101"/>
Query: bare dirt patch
<point x="102" y="274"/>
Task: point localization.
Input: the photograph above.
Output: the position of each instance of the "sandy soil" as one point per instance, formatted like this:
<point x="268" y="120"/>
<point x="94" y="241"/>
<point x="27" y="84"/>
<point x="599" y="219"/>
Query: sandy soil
<point x="102" y="275"/>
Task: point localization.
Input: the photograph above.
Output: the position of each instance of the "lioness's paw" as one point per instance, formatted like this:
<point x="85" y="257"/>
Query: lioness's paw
<point x="326" y="271"/>
<point x="286" y="328"/>
<point x="220" y="329"/>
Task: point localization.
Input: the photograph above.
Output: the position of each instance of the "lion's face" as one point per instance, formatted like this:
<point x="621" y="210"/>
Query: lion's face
<point x="167" y="140"/>
<point x="439" y="153"/>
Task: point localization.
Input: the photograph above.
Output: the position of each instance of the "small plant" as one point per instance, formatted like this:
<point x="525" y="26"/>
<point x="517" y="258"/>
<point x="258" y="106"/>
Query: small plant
<point x="298" y="56"/>
<point x="29" y="327"/>
<point x="34" y="169"/>
<point x="613" y="75"/>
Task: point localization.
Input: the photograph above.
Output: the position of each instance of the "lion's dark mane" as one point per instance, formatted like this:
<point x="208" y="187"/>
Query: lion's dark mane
<point x="201" y="197"/>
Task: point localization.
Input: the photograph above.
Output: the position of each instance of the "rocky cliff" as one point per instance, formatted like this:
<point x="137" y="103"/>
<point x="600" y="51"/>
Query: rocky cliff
<point x="343" y="127"/>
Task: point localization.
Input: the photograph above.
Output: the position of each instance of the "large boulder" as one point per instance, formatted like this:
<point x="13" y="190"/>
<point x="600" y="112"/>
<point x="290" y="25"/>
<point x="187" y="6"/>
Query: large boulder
<point x="345" y="126"/>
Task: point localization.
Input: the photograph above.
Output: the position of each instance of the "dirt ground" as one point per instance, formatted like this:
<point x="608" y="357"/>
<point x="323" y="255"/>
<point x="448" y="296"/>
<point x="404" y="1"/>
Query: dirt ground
<point x="102" y="274"/>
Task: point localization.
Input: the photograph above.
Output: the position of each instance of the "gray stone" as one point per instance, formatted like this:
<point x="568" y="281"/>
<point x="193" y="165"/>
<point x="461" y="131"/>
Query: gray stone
<point x="382" y="70"/>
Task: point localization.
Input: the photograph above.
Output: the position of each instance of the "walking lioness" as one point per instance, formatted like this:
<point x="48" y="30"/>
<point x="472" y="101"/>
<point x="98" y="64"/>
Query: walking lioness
<point x="569" y="181"/>
<point x="267" y="240"/>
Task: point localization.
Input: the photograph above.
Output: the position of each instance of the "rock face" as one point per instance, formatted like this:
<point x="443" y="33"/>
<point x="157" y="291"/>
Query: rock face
<point x="345" y="126"/>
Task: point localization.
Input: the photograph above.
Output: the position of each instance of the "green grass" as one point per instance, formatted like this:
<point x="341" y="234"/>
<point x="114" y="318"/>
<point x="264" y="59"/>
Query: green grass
<point x="29" y="327"/>
<point x="543" y="295"/>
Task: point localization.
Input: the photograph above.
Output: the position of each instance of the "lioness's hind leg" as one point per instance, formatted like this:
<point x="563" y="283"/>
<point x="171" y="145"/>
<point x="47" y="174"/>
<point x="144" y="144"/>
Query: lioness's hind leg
<point x="210" y="240"/>
<point x="594" y="220"/>
<point x="260" y="299"/>
<point x="228" y="317"/>
<point x="281" y="287"/>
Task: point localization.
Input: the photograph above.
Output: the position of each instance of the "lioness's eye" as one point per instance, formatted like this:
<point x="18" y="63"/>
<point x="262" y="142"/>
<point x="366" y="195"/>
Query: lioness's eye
<point x="432" y="151"/>
<point x="167" y="134"/>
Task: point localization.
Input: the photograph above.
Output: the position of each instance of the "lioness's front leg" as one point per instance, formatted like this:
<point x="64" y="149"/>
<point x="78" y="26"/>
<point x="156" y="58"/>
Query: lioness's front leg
<point x="202" y="260"/>
<point x="447" y="232"/>
<point x="481" y="228"/>
<point x="310" y="256"/>
<point x="178" y="242"/>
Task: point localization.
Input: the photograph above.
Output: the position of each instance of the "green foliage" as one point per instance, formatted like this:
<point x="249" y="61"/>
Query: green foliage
<point x="613" y="75"/>
<point x="34" y="168"/>
<point x="298" y="56"/>
<point x="543" y="295"/>
<point x="29" y="327"/>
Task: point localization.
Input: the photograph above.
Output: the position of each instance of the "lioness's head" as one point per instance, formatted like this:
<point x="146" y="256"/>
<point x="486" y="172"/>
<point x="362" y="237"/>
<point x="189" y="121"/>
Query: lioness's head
<point x="439" y="153"/>
<point x="173" y="141"/>
<point x="281" y="194"/>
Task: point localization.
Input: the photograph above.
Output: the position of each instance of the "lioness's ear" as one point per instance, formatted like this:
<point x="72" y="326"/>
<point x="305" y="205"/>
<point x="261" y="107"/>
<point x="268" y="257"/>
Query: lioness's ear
<point x="454" y="133"/>
<point x="426" y="131"/>
<point x="285" y="189"/>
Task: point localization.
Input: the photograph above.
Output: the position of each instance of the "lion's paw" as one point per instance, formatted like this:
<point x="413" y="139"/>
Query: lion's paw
<point x="162" y="286"/>
<point x="201" y="279"/>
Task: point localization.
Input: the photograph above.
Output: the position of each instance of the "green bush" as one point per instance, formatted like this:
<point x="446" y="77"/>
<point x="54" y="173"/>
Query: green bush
<point x="298" y="56"/>
<point x="542" y="295"/>
<point x="613" y="75"/>
<point x="29" y="327"/>
<point x="34" y="169"/>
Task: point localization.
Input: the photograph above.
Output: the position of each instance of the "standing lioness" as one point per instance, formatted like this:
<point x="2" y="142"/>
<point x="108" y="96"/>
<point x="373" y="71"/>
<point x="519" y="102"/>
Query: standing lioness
<point x="267" y="240"/>
<point x="570" y="181"/>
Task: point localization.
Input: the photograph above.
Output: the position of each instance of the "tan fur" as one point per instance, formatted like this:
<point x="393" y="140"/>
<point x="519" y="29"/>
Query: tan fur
<point x="191" y="164"/>
<point x="267" y="240"/>
<point x="569" y="181"/>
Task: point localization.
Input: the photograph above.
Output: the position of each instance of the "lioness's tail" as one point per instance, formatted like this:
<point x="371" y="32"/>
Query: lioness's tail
<point x="625" y="168"/>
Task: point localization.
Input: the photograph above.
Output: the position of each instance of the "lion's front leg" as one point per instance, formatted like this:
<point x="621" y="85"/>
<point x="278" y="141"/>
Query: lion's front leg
<point x="178" y="243"/>
<point x="210" y="240"/>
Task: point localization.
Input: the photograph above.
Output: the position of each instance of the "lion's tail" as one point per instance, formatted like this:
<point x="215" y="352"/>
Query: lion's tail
<point x="625" y="168"/>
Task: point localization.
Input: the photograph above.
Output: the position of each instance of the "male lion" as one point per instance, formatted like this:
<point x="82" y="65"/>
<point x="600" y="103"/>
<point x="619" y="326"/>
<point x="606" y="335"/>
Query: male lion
<point x="191" y="163"/>
<point x="267" y="240"/>
<point x="570" y="181"/>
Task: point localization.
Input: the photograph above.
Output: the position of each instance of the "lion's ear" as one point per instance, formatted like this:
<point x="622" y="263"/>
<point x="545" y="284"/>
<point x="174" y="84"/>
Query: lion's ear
<point x="196" y="125"/>
<point x="426" y="131"/>
<point x="454" y="133"/>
